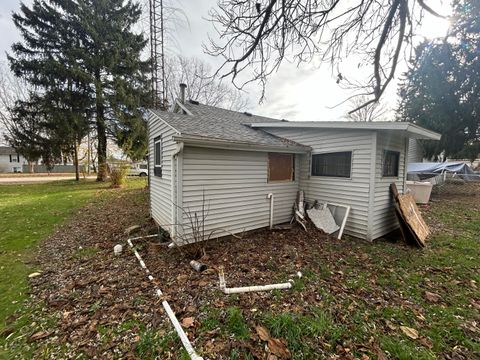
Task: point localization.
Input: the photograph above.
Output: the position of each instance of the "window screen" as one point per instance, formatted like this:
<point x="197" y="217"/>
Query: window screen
<point x="336" y="164"/>
<point x="391" y="160"/>
<point x="157" y="158"/>
<point x="280" y="167"/>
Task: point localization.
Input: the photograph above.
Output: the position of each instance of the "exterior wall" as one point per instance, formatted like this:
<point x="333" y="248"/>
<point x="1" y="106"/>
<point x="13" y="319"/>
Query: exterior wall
<point x="235" y="187"/>
<point x="384" y="220"/>
<point x="8" y="167"/>
<point x="161" y="187"/>
<point x="415" y="151"/>
<point x="353" y="191"/>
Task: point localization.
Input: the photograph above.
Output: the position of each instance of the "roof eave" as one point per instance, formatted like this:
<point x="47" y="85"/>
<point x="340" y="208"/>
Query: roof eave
<point x="411" y="130"/>
<point x="200" y="141"/>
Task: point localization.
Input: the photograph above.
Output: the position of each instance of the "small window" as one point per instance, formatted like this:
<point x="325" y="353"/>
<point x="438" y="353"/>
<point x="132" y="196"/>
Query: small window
<point x="281" y="167"/>
<point x="391" y="160"/>
<point x="157" y="161"/>
<point x="338" y="164"/>
<point x="15" y="158"/>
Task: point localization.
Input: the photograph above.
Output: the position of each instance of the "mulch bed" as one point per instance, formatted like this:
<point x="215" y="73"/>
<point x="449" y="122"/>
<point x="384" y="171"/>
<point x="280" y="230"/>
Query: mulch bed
<point x="87" y="290"/>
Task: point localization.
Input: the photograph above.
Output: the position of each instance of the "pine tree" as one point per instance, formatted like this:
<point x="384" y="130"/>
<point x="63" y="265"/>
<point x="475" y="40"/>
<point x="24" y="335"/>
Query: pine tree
<point x="85" y="58"/>
<point x="441" y="89"/>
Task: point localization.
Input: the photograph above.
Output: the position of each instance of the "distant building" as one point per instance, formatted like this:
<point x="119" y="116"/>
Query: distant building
<point x="10" y="160"/>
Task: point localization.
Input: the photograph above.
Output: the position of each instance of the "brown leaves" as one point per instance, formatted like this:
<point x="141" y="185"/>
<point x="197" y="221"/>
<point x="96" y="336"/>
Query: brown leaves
<point x="278" y="347"/>
<point x="262" y="332"/>
<point x="411" y="333"/>
<point x="40" y="335"/>
<point x="432" y="297"/>
<point x="188" y="322"/>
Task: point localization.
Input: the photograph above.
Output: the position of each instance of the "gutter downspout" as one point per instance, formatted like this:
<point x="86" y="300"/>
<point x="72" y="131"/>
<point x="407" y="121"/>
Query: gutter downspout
<point x="270" y="196"/>
<point x="175" y="188"/>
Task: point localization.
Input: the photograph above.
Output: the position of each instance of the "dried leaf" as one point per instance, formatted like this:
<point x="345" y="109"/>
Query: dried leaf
<point x="40" y="335"/>
<point x="187" y="322"/>
<point x="411" y="333"/>
<point x="432" y="297"/>
<point x="278" y="348"/>
<point x="262" y="332"/>
<point x="426" y="342"/>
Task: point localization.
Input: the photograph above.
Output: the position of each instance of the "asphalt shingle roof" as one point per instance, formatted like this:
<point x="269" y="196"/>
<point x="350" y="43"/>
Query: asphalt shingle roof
<point x="217" y="123"/>
<point x="7" y="150"/>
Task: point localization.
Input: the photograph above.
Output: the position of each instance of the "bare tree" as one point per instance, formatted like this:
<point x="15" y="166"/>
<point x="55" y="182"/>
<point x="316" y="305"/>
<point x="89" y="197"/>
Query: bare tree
<point x="262" y="34"/>
<point x="371" y="112"/>
<point x="201" y="84"/>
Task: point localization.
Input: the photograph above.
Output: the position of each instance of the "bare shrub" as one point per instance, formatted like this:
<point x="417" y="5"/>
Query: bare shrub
<point x="118" y="175"/>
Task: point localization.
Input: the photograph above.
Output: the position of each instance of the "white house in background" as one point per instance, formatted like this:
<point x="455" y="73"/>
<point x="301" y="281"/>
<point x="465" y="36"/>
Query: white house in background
<point x="236" y="159"/>
<point x="10" y="160"/>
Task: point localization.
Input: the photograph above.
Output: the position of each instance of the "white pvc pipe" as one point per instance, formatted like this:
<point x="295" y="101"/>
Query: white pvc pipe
<point x="171" y="315"/>
<point x="223" y="286"/>
<point x="270" y="196"/>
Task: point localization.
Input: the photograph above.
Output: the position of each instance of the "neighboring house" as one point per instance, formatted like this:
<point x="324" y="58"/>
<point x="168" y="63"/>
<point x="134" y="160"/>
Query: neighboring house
<point x="234" y="160"/>
<point x="10" y="160"/>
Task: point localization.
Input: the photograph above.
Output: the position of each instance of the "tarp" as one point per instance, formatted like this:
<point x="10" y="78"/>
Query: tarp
<point x="430" y="169"/>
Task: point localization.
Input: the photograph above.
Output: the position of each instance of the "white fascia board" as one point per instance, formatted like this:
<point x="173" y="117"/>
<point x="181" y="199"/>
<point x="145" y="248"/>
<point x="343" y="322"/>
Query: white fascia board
<point x="411" y="130"/>
<point x="237" y="145"/>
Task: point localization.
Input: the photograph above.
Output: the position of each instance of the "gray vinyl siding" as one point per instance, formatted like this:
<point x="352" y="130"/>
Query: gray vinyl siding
<point x="353" y="191"/>
<point x="415" y="151"/>
<point x="235" y="187"/>
<point x="160" y="187"/>
<point x="384" y="220"/>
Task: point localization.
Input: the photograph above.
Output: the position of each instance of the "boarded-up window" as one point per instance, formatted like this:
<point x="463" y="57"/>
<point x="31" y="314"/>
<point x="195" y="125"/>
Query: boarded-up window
<point x="391" y="160"/>
<point x="280" y="167"/>
<point x="338" y="164"/>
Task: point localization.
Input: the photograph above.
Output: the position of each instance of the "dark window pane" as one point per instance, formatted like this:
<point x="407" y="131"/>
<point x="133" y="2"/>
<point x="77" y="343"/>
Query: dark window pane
<point x="391" y="161"/>
<point x="158" y="152"/>
<point x="337" y="164"/>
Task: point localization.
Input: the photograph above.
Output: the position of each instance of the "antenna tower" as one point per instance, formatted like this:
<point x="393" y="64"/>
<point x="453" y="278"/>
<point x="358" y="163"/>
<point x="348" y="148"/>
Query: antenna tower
<point x="159" y="91"/>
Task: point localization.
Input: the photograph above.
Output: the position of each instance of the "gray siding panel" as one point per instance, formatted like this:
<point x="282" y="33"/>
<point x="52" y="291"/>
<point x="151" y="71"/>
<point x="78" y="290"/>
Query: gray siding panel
<point x="384" y="220"/>
<point x="415" y="151"/>
<point x="235" y="187"/>
<point x="354" y="191"/>
<point x="160" y="187"/>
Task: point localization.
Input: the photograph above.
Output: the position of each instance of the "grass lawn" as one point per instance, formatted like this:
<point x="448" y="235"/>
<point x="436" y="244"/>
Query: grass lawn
<point x="356" y="300"/>
<point x="28" y="214"/>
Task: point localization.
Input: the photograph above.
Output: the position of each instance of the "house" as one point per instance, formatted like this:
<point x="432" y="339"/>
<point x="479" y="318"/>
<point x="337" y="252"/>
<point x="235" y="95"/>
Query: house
<point x="230" y="162"/>
<point x="10" y="160"/>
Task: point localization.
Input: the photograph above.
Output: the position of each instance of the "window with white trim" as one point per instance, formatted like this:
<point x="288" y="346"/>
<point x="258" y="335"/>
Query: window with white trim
<point x="337" y="164"/>
<point x="157" y="156"/>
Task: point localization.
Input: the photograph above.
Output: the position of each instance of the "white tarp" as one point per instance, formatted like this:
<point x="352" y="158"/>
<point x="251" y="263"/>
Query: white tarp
<point x="427" y="170"/>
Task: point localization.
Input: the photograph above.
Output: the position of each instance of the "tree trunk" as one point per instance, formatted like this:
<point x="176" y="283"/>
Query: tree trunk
<point x="101" y="131"/>
<point x="75" y="159"/>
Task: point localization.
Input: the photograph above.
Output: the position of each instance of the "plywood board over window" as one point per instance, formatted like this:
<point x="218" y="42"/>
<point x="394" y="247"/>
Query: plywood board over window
<point x="281" y="167"/>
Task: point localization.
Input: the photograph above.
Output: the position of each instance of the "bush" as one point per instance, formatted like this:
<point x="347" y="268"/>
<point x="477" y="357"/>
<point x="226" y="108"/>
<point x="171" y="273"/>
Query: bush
<point x="118" y="175"/>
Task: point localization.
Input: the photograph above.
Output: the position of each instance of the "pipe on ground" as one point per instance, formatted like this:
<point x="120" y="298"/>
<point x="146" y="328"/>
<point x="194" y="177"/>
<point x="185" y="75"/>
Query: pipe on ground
<point x="171" y="315"/>
<point x="237" y="290"/>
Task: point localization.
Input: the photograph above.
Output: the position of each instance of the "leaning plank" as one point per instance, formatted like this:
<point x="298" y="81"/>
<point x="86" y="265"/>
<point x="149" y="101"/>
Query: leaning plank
<point x="413" y="227"/>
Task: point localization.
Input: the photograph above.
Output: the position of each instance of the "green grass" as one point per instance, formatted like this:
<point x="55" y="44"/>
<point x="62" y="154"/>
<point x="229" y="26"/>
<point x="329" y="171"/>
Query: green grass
<point x="29" y="213"/>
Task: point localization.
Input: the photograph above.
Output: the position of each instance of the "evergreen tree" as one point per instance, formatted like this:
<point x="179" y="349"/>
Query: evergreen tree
<point x="442" y="88"/>
<point x="85" y="58"/>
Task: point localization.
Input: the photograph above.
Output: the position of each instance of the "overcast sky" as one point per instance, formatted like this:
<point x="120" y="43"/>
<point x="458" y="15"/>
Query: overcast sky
<point x="306" y="93"/>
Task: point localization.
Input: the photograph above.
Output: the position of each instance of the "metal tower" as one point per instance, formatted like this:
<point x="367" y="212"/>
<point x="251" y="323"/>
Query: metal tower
<point x="159" y="87"/>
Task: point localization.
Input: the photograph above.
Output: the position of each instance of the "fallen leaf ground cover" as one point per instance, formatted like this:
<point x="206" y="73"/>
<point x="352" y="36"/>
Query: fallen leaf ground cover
<point x="354" y="299"/>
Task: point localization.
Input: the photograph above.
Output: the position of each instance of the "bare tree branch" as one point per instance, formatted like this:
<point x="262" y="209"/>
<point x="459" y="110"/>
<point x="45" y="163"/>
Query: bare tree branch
<point x="259" y="36"/>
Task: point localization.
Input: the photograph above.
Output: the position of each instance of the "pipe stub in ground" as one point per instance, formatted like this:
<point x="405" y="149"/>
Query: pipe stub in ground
<point x="198" y="266"/>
